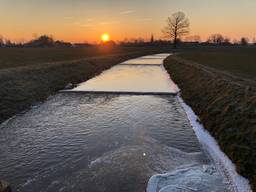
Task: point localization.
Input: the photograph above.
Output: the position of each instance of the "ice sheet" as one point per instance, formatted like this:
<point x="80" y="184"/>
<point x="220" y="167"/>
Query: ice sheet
<point x="131" y="79"/>
<point x="144" y="61"/>
<point x="195" y="178"/>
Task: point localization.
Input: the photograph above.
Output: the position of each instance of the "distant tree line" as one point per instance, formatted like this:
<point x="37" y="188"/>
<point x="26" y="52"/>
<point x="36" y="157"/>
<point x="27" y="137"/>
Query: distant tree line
<point x="42" y="41"/>
<point x="218" y="39"/>
<point x="177" y="26"/>
<point x="194" y="40"/>
<point x="6" y="42"/>
<point x="212" y="40"/>
<point x="46" y="41"/>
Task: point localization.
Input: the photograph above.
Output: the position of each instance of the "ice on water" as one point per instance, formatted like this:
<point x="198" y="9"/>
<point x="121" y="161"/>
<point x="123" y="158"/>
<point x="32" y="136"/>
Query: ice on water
<point x="141" y="75"/>
<point x="196" y="178"/>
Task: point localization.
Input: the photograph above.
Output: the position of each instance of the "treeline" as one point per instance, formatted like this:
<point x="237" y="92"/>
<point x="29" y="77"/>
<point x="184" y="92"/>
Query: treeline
<point x="42" y="41"/>
<point x="213" y="40"/>
<point x="218" y="39"/>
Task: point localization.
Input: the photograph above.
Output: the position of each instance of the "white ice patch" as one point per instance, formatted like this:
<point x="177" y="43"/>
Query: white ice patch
<point x="223" y="163"/>
<point x="196" y="178"/>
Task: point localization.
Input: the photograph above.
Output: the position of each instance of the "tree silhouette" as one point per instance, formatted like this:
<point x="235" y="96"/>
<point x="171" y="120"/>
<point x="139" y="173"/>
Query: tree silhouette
<point x="152" y="39"/>
<point x="42" y="41"/>
<point x="177" y="26"/>
<point x="244" y="41"/>
<point x="1" y="41"/>
<point x="216" y="39"/>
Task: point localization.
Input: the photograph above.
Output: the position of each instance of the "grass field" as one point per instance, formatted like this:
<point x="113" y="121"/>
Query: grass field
<point x="237" y="61"/>
<point x="30" y="75"/>
<point x="17" y="57"/>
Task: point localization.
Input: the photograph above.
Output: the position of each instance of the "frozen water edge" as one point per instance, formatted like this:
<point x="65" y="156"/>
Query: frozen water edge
<point x="201" y="177"/>
<point x="189" y="178"/>
<point x="222" y="162"/>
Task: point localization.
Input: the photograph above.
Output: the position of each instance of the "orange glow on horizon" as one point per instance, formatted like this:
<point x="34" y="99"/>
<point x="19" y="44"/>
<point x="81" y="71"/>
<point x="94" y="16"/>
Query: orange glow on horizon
<point x="86" y="21"/>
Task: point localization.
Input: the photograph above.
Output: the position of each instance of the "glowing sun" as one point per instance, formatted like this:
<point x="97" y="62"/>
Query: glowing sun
<point x="105" y="37"/>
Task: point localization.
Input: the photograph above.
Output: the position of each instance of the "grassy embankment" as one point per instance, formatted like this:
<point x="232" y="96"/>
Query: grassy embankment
<point x="28" y="76"/>
<point x="226" y="104"/>
<point x="18" y="57"/>
<point x="237" y="61"/>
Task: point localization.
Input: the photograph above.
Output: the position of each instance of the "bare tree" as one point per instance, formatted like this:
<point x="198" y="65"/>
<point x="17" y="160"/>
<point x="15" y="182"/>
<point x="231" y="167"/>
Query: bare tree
<point x="152" y="39"/>
<point x="1" y="41"/>
<point x="254" y="41"/>
<point x="42" y="41"/>
<point x="216" y="39"/>
<point x="244" y="41"/>
<point x="227" y="41"/>
<point x="177" y="26"/>
<point x="8" y="43"/>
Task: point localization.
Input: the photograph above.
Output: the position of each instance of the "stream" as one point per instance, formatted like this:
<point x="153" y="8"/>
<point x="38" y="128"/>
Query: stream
<point x="122" y="131"/>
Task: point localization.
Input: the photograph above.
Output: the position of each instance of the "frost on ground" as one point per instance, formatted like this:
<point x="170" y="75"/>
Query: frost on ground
<point x="203" y="177"/>
<point x="223" y="163"/>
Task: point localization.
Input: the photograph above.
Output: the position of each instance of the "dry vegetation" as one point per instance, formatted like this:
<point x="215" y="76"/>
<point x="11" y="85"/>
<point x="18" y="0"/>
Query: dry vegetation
<point x="28" y="76"/>
<point x="17" y="57"/>
<point x="225" y="104"/>
<point x="237" y="61"/>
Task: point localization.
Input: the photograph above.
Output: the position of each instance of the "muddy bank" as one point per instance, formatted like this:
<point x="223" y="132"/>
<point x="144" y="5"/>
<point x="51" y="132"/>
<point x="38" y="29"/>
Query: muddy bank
<point x="22" y="87"/>
<point x="226" y="106"/>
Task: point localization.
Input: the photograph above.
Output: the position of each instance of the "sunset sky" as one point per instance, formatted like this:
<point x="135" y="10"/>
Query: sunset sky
<point x="87" y="20"/>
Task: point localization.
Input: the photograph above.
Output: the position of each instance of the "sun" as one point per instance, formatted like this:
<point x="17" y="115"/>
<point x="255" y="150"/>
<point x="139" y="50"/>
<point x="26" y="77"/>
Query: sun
<point x="105" y="37"/>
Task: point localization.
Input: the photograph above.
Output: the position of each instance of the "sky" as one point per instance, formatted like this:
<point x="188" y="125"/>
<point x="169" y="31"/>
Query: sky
<point x="87" y="20"/>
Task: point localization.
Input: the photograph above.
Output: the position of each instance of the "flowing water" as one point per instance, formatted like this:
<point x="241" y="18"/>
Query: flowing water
<point x="108" y="141"/>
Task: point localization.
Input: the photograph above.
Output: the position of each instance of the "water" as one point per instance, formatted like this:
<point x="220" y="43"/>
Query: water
<point x="143" y="61"/>
<point x="131" y="79"/>
<point x="147" y="60"/>
<point x="143" y="75"/>
<point x="104" y="142"/>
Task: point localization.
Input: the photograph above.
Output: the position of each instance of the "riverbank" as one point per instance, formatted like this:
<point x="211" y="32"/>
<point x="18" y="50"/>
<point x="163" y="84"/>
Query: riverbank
<point x="226" y="107"/>
<point x="27" y="85"/>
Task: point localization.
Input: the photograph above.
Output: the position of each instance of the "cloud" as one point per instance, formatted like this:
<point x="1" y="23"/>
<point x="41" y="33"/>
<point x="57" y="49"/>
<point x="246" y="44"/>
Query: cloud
<point x="127" y="12"/>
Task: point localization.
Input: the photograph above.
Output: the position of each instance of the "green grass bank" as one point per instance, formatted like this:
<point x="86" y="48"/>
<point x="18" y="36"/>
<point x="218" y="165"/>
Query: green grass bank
<point x="226" y="105"/>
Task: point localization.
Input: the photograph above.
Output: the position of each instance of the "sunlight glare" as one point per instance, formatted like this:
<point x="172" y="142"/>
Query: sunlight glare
<point x="105" y="37"/>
